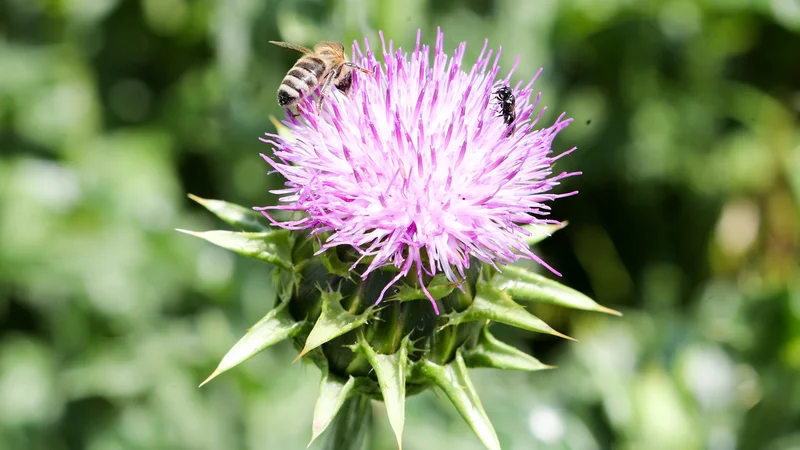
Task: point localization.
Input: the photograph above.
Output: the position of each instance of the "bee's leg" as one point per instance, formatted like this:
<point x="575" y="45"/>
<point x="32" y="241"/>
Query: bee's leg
<point x="325" y="87"/>
<point x="359" y="68"/>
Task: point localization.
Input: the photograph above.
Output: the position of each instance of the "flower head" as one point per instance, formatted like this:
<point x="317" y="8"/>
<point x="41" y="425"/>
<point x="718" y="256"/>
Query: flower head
<point x="416" y="168"/>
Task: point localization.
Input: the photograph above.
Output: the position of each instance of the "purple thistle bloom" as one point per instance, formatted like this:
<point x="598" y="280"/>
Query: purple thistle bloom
<point x="416" y="168"/>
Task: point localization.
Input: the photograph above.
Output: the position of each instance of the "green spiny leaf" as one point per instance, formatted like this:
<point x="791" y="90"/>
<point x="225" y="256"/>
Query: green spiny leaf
<point x="276" y="326"/>
<point x="492" y="353"/>
<point x="285" y="283"/>
<point x="332" y="394"/>
<point x="238" y="216"/>
<point x="439" y="287"/>
<point x="538" y="233"/>
<point x="525" y="285"/>
<point x="454" y="381"/>
<point x="391" y="373"/>
<point x="273" y="247"/>
<point x="334" y="264"/>
<point x="493" y="304"/>
<point x="333" y="321"/>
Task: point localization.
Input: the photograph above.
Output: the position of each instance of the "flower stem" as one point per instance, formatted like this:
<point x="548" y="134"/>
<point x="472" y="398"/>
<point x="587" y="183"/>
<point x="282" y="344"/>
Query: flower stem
<point x="351" y="426"/>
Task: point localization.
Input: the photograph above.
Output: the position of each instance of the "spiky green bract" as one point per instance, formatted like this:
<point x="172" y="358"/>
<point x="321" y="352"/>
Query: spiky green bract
<point x="492" y="303"/>
<point x="276" y="326"/>
<point x="236" y="216"/>
<point x="333" y="392"/>
<point x="492" y="353"/>
<point x="391" y="372"/>
<point x="333" y="322"/>
<point x="540" y="232"/>
<point x="262" y="246"/>
<point x="524" y="285"/>
<point x="452" y="378"/>
<point x="391" y="350"/>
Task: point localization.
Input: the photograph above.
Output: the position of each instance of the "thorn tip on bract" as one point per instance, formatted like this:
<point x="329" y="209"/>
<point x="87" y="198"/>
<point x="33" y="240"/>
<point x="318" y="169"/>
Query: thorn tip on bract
<point x="302" y="353"/>
<point x="210" y="377"/>
<point x="314" y="436"/>
<point x="613" y="312"/>
<point x="562" y="335"/>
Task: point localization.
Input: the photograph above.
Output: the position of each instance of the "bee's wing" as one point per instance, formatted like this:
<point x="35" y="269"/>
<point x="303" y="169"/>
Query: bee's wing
<point x="297" y="48"/>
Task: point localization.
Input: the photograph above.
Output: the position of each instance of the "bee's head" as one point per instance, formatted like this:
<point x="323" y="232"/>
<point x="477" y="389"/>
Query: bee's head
<point x="504" y="93"/>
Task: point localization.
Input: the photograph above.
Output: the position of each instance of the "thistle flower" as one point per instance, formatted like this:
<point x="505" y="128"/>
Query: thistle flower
<point x="411" y="185"/>
<point x="417" y="169"/>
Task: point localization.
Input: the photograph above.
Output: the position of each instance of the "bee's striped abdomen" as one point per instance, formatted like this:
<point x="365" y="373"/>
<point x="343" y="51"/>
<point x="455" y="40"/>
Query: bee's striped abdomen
<point x="312" y="64"/>
<point x="300" y="80"/>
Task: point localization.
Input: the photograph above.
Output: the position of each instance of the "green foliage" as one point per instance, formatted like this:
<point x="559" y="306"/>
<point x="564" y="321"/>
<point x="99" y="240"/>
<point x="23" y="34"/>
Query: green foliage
<point x="686" y="126"/>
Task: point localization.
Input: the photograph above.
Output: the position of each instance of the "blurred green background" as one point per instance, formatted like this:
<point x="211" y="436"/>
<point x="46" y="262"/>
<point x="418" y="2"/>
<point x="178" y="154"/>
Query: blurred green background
<point x="686" y="118"/>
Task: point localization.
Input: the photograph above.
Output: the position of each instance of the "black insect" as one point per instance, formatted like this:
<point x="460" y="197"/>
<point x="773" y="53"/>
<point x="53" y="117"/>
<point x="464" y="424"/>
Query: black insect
<point x="507" y="101"/>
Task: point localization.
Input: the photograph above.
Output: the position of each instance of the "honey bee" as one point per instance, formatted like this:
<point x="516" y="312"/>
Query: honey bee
<point x="324" y="66"/>
<point x="507" y="101"/>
